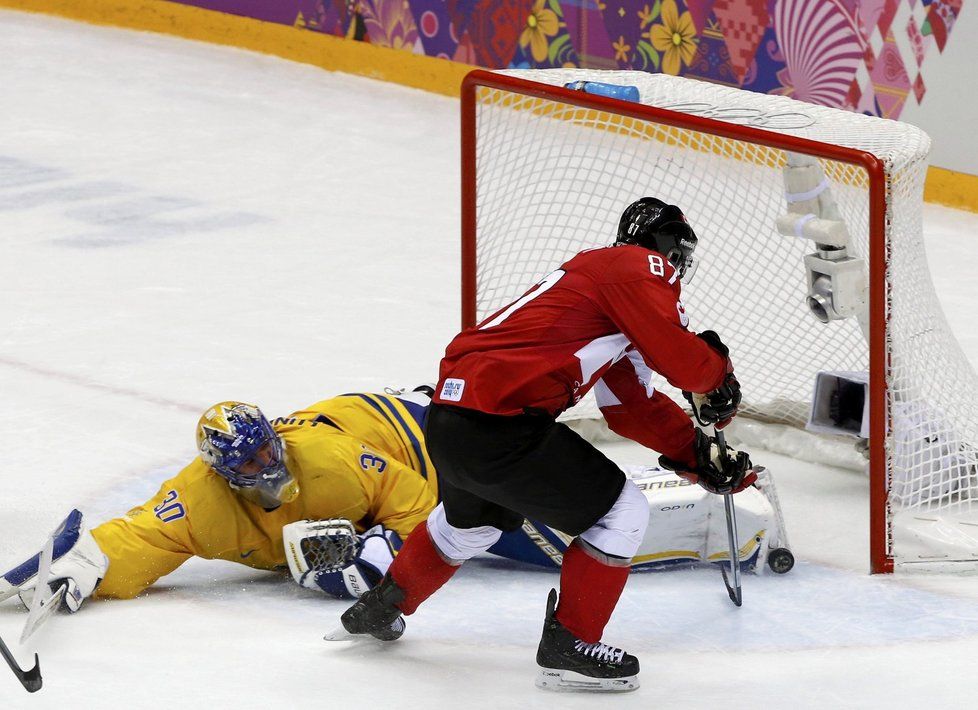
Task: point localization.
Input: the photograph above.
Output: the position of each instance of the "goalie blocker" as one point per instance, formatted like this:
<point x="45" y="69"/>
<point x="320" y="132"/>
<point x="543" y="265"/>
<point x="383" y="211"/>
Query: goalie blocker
<point x="77" y="563"/>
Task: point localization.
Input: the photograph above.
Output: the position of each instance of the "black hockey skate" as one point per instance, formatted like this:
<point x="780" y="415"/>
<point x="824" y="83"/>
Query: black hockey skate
<point x="567" y="663"/>
<point x="375" y="612"/>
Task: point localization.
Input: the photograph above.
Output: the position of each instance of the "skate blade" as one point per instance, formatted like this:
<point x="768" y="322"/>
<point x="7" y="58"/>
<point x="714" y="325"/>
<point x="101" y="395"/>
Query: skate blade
<point x="569" y="681"/>
<point x="341" y="634"/>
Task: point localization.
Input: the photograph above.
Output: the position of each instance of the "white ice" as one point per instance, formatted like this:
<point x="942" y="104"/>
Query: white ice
<point x="183" y="224"/>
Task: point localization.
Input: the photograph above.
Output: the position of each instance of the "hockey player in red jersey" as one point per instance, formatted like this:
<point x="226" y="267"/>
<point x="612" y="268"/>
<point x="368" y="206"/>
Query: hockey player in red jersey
<point x="605" y="320"/>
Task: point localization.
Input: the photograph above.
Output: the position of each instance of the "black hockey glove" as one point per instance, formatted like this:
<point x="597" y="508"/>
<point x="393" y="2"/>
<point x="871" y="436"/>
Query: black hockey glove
<point x="713" y="340"/>
<point x="717" y="471"/>
<point x="718" y="407"/>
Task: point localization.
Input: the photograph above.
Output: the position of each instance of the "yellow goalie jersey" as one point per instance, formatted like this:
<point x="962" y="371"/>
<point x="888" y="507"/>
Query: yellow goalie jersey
<point x="357" y="456"/>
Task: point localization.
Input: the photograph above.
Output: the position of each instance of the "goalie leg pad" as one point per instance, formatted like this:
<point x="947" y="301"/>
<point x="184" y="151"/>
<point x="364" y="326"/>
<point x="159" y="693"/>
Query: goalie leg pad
<point x="756" y="526"/>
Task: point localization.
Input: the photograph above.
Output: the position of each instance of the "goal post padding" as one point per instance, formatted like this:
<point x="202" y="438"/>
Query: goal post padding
<point x="546" y="172"/>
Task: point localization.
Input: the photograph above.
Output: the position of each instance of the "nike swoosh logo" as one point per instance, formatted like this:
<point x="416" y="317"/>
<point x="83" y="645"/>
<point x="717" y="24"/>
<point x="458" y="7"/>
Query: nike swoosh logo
<point x="245" y="555"/>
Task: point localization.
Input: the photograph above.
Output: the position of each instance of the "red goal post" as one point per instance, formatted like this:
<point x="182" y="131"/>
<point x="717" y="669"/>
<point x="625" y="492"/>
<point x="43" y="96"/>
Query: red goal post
<point x="507" y="119"/>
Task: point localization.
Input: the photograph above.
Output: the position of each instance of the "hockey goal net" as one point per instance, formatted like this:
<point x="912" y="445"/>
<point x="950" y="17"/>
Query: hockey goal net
<point x="765" y="181"/>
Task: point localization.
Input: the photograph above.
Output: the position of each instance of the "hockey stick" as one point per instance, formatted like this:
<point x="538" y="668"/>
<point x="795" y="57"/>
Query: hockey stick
<point x="37" y="601"/>
<point x="30" y="679"/>
<point x="46" y="608"/>
<point x="735" y="592"/>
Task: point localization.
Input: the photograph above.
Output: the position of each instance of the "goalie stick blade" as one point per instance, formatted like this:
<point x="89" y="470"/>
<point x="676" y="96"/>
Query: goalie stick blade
<point x="45" y="609"/>
<point x="30" y="679"/>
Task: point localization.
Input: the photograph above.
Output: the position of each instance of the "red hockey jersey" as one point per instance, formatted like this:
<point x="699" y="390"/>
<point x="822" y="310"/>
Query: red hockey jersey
<point x="605" y="320"/>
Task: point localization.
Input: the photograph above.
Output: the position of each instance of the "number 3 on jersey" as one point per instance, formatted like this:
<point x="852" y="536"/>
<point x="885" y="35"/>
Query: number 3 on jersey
<point x="544" y="285"/>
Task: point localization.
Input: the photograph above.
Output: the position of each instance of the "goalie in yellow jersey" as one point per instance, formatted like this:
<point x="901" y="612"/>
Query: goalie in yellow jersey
<point x="330" y="491"/>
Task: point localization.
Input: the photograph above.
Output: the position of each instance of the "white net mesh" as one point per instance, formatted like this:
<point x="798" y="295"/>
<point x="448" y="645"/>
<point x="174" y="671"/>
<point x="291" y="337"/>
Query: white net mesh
<point x="553" y="178"/>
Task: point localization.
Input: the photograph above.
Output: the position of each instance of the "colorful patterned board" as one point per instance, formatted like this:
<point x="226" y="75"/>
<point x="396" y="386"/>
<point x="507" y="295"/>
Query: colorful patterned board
<point x="863" y="55"/>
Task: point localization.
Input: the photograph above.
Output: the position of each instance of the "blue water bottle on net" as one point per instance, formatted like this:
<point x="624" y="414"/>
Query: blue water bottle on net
<point x="614" y="91"/>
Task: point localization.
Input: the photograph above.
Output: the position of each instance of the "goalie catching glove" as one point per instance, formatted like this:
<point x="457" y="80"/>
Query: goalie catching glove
<point x="717" y="470"/>
<point x="329" y="556"/>
<point x="718" y="407"/>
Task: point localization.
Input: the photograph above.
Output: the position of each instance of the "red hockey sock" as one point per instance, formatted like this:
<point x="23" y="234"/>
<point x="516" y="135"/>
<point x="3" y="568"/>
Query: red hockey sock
<point x="589" y="591"/>
<point x="419" y="570"/>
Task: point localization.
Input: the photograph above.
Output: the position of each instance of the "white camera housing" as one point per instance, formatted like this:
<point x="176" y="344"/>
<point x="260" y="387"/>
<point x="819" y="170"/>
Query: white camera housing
<point x="837" y="285"/>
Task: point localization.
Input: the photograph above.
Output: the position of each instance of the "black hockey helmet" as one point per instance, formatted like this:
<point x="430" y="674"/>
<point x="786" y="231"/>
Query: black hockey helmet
<point x="651" y="223"/>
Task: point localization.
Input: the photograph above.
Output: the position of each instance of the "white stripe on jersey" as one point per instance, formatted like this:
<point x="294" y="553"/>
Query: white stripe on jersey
<point x="602" y="351"/>
<point x="642" y="371"/>
<point x="604" y="396"/>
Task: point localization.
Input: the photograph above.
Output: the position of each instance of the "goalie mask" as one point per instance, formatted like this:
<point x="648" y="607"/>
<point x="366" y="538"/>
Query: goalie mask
<point x="651" y="223"/>
<point x="238" y="442"/>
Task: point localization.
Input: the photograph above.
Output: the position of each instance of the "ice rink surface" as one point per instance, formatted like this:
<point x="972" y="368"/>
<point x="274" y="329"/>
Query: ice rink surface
<point x="184" y="224"/>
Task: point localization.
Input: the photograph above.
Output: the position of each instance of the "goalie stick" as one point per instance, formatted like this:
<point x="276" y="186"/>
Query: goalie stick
<point x="40" y="610"/>
<point x="42" y="607"/>
<point x="30" y="679"/>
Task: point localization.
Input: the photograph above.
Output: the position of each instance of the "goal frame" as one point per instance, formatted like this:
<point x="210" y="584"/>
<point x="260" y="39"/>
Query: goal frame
<point x="880" y="532"/>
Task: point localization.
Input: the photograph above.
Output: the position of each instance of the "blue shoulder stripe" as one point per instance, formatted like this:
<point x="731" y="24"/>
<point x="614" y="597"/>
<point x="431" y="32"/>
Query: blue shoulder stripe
<point x="381" y="411"/>
<point x="374" y="405"/>
<point x="417" y="411"/>
<point x="415" y="443"/>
